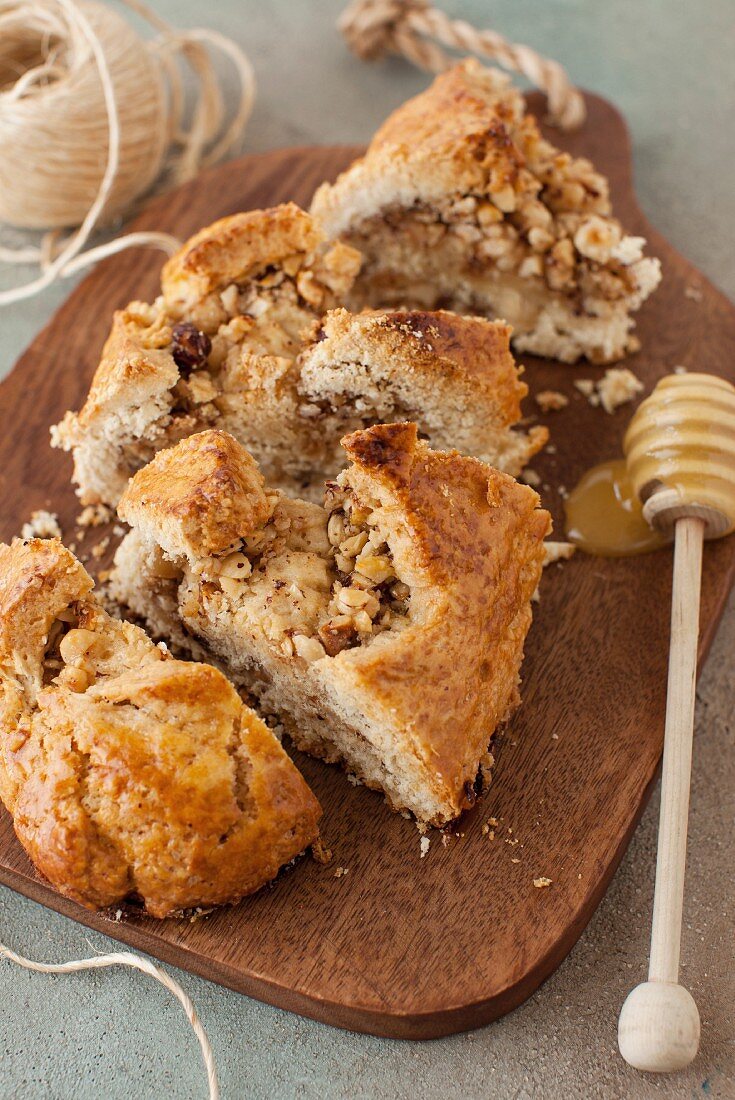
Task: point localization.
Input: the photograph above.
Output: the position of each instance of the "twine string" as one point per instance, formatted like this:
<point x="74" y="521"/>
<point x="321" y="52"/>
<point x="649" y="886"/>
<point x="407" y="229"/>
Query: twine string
<point x="423" y="34"/>
<point x="137" y="962"/>
<point x="75" y="36"/>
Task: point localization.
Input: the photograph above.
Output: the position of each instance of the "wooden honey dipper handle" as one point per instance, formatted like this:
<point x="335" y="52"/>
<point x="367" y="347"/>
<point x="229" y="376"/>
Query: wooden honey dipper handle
<point x="658" y="1029"/>
<point x="680" y="456"/>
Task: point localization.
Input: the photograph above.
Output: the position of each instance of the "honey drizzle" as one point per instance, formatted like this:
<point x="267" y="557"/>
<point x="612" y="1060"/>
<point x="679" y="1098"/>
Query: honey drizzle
<point x="605" y="517"/>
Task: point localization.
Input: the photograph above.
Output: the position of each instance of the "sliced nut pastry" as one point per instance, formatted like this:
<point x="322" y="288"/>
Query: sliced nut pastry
<point x="217" y="348"/>
<point x="384" y="630"/>
<point x="234" y="343"/>
<point x="453" y="376"/>
<point x="459" y="201"/>
<point x="129" y="773"/>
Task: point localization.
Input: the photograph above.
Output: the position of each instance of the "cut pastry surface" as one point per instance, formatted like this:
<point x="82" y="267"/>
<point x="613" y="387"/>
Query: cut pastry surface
<point x="459" y="201"/>
<point x="385" y="631"/>
<point x="217" y="348"/>
<point x="235" y="344"/>
<point x="129" y="773"/>
<point x="453" y="376"/>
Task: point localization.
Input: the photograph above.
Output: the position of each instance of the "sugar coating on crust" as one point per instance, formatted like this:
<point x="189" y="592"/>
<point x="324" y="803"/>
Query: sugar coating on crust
<point x="385" y="630"/>
<point x="454" y="376"/>
<point x="460" y="200"/>
<point x="129" y="773"/>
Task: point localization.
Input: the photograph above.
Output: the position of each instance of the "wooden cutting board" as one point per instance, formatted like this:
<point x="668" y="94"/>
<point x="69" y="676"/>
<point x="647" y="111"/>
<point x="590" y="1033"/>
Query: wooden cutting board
<point x="400" y="945"/>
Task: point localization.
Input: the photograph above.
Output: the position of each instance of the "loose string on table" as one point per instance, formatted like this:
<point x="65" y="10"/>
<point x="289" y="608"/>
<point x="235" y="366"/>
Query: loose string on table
<point x="137" y="962"/>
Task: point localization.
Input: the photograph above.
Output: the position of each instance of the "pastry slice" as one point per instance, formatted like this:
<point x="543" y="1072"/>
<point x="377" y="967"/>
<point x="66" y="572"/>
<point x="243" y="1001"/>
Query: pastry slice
<point x="460" y="202"/>
<point x="129" y="773"/>
<point x="384" y="631"/>
<point x="216" y="348"/>
<point x="286" y="385"/>
<point x="454" y="376"/>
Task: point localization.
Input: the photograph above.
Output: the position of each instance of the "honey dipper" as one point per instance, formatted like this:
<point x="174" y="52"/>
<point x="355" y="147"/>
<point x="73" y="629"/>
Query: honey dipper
<point x="680" y="453"/>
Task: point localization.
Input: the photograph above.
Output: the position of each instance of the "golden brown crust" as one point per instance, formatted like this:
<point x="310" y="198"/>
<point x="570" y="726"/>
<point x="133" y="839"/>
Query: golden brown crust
<point x="471" y="352"/>
<point x="473" y="547"/>
<point x="127" y="772"/>
<point x="136" y="365"/>
<point x="230" y="249"/>
<point x="206" y="493"/>
<point x="453" y="138"/>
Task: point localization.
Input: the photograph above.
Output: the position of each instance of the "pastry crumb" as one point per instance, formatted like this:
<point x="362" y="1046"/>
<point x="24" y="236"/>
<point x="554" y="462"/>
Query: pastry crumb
<point x="551" y="400"/>
<point x="424" y="845"/>
<point x="320" y="852"/>
<point x="542" y="882"/>
<point x="42" y="525"/>
<point x="341" y="871"/>
<point x="558" y="551"/>
<point x="679" y="369"/>
<point x="515" y="859"/>
<point x="586" y="386"/>
<point x="99" y="548"/>
<point x="693" y="292"/>
<point x="530" y="477"/>
<point x="94" y="515"/>
<point x="617" y="386"/>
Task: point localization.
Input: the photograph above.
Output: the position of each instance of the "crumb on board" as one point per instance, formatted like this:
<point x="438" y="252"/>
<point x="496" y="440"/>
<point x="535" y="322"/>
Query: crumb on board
<point x="320" y="852"/>
<point x="341" y="872"/>
<point x="542" y="882"/>
<point x="99" y="548"/>
<point x="94" y="515"/>
<point x="515" y="859"/>
<point x="551" y="400"/>
<point x="693" y="292"/>
<point x="679" y="369"/>
<point x="353" y="780"/>
<point x="530" y="477"/>
<point x="617" y="386"/>
<point x="489" y="827"/>
<point x="42" y="525"/>
<point x="558" y="551"/>
<point x="586" y="387"/>
<point x="424" y="845"/>
<point x="422" y="827"/>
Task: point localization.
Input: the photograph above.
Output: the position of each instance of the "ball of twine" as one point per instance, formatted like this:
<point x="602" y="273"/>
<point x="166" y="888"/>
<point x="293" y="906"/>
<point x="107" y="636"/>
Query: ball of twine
<point x="92" y="114"/>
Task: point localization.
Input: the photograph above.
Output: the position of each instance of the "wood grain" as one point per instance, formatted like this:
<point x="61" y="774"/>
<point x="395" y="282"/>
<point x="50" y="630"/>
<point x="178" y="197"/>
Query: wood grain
<point x="404" y="946"/>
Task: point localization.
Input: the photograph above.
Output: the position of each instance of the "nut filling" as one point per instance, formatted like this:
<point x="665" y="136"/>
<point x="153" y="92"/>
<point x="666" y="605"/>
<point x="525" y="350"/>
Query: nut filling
<point x="565" y="240"/>
<point x="367" y="597"/>
<point x="66" y="656"/>
<point x="324" y="577"/>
